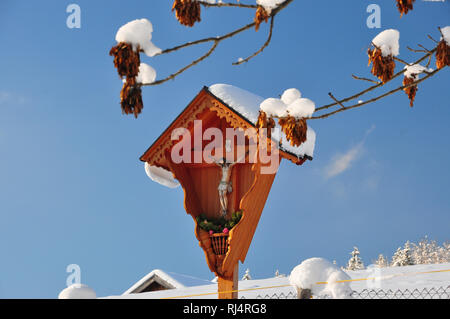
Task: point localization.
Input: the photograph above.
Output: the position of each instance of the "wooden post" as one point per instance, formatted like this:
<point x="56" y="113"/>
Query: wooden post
<point x="225" y="286"/>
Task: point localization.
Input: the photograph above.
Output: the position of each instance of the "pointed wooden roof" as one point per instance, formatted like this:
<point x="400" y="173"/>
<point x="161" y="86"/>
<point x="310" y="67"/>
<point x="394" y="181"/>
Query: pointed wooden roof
<point x="236" y="113"/>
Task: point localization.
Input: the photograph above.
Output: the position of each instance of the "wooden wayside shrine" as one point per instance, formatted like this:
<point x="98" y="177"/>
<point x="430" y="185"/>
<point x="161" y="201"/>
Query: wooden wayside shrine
<point x="199" y="178"/>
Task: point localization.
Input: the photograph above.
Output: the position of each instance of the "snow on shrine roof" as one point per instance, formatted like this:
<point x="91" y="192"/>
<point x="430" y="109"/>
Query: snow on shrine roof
<point x="246" y="104"/>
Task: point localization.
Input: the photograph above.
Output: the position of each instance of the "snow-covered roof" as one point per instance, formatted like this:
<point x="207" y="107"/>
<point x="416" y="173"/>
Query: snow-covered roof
<point x="247" y="105"/>
<point x="209" y="291"/>
<point x="394" y="278"/>
<point x="169" y="280"/>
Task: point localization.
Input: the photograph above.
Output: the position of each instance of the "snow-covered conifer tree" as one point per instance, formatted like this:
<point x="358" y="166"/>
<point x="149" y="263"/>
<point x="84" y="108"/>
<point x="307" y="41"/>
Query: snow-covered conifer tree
<point x="247" y="275"/>
<point x="381" y="261"/>
<point x="425" y="252"/>
<point x="355" y="262"/>
<point x="402" y="256"/>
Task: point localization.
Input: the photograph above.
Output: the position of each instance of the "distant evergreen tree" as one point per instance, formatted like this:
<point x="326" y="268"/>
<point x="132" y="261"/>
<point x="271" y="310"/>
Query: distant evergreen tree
<point x="247" y="275"/>
<point x="425" y="252"/>
<point x="381" y="261"/>
<point x="403" y="256"/>
<point x="355" y="262"/>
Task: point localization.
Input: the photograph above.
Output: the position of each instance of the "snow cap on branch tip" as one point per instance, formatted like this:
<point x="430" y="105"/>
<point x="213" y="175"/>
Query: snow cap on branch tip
<point x="273" y="107"/>
<point x="446" y="33"/>
<point x="269" y="5"/>
<point x="139" y="34"/>
<point x="146" y="74"/>
<point x="412" y="71"/>
<point x="388" y="42"/>
<point x="290" y="95"/>
<point x="290" y="104"/>
<point x="301" y="108"/>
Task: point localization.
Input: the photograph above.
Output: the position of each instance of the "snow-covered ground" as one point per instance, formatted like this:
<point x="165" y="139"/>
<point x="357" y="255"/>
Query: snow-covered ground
<point x="389" y="278"/>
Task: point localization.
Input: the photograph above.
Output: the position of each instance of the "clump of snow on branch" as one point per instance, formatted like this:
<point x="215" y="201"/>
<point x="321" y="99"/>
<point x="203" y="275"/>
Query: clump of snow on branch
<point x="138" y="33"/>
<point x="291" y="103"/>
<point x="274" y="107"/>
<point x="301" y="108"/>
<point x="388" y="42"/>
<point x="269" y="5"/>
<point x="161" y="176"/>
<point x="412" y="71"/>
<point x="321" y="277"/>
<point x="446" y="33"/>
<point x="146" y="74"/>
<point x="290" y="95"/>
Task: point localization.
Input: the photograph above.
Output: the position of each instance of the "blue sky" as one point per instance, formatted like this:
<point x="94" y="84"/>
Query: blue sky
<point x="72" y="188"/>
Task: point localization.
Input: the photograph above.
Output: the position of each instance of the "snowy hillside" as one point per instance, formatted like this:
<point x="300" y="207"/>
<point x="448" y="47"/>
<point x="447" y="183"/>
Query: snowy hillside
<point x="393" y="278"/>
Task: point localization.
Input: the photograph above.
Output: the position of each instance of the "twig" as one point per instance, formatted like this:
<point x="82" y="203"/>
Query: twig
<point x="431" y="38"/>
<point x="415" y="50"/>
<point x="400" y="60"/>
<point x="332" y="96"/>
<point x="373" y="87"/>
<point x="211" y="50"/>
<point x="376" y="98"/>
<point x="364" y="79"/>
<point x="216" y="41"/>
<point x="429" y="61"/>
<point x="440" y="31"/>
<point x="210" y="39"/>
<point x="223" y="4"/>
<point x="424" y="48"/>
<point x="262" y="47"/>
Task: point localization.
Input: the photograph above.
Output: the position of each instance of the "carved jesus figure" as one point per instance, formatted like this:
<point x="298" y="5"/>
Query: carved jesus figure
<point x="225" y="183"/>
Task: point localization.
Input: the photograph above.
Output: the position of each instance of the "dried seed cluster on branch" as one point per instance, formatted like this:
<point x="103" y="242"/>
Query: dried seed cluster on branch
<point x="404" y="6"/>
<point x="187" y="12"/>
<point x="442" y="54"/>
<point x="127" y="62"/>
<point x="410" y="90"/>
<point x="131" y="98"/>
<point x="295" y="129"/>
<point x="260" y="16"/>
<point x="383" y="66"/>
<point x="265" y="122"/>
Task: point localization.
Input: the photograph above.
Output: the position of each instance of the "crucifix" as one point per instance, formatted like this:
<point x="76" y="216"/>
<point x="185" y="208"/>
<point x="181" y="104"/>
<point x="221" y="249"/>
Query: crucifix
<point x="225" y="183"/>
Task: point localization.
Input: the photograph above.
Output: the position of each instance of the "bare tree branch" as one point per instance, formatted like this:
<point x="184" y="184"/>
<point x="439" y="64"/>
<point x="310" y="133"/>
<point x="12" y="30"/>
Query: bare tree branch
<point x="376" y="98"/>
<point x="431" y="38"/>
<point x="218" y="39"/>
<point x="332" y="96"/>
<point x="373" y="87"/>
<point x="263" y="46"/>
<point x="224" y="4"/>
<point x="417" y="51"/>
<point x="365" y="79"/>
<point x="401" y="61"/>
<point x="172" y="76"/>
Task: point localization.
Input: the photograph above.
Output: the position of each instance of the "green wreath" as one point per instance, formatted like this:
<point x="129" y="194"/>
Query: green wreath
<point x="217" y="225"/>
